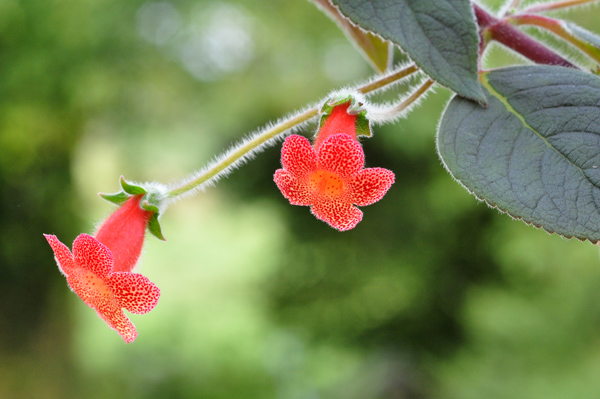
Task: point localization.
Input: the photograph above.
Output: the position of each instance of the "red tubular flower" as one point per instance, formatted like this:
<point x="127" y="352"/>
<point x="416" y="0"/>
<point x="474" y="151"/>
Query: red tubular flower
<point x="330" y="178"/>
<point x="340" y="121"/>
<point x="90" y="273"/>
<point x="123" y="233"/>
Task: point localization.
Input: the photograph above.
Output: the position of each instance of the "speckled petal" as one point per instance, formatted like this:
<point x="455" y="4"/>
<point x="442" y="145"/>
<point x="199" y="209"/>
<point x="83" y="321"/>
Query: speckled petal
<point x="62" y="254"/>
<point x="292" y="189"/>
<point x="116" y="319"/>
<point x="135" y="293"/>
<point x="90" y="254"/>
<point x="341" y="154"/>
<point x="297" y="156"/>
<point x="370" y="185"/>
<point x="98" y="295"/>
<point x="338" y="214"/>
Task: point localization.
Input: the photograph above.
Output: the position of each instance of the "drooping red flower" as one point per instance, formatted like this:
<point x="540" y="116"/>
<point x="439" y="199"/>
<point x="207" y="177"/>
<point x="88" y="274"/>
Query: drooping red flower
<point x="90" y="274"/>
<point x="330" y="177"/>
<point x="123" y="233"/>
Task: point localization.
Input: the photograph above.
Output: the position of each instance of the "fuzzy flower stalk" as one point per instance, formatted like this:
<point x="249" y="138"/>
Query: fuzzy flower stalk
<point x="329" y="176"/>
<point x="100" y="269"/>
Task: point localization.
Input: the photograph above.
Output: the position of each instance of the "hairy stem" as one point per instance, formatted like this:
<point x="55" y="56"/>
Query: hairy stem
<point x="245" y="148"/>
<point x="558" y="28"/>
<point x="558" y="5"/>
<point x="410" y="100"/>
<point x="396" y="110"/>
<point x="242" y="150"/>
<point x="386" y="80"/>
<point x="492" y="28"/>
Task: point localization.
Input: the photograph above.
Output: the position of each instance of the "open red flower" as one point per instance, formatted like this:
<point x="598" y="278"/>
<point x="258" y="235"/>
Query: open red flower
<point x="330" y="179"/>
<point x="89" y="273"/>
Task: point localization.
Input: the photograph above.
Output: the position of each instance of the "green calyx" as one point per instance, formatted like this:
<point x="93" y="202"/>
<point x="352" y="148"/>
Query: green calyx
<point x="151" y="201"/>
<point x="356" y="107"/>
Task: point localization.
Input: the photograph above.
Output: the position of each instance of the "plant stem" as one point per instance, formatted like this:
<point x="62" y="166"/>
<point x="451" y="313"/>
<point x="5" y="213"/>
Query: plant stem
<point x="558" y="28"/>
<point x="386" y="80"/>
<point x="557" y="5"/>
<point x="241" y="151"/>
<point x="245" y="148"/>
<point x="410" y="100"/>
<point x="492" y="28"/>
<point x="390" y="114"/>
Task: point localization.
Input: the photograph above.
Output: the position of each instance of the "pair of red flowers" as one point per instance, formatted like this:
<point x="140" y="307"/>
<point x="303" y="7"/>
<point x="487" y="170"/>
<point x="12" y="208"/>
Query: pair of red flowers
<point x="329" y="177"/>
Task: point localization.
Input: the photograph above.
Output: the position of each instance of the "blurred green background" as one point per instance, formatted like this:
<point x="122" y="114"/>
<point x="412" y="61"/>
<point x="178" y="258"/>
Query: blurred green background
<point x="433" y="295"/>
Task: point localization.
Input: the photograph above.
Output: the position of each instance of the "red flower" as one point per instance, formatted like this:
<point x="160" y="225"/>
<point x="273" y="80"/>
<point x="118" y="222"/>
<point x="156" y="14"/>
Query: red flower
<point x="123" y="233"/>
<point x="90" y="274"/>
<point x="330" y="178"/>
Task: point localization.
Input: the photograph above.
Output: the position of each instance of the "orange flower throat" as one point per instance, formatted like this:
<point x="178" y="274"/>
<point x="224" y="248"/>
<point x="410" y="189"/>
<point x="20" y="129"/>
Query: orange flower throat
<point x="326" y="183"/>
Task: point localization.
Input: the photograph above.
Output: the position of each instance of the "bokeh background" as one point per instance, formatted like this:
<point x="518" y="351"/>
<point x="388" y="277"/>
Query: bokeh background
<point x="433" y="295"/>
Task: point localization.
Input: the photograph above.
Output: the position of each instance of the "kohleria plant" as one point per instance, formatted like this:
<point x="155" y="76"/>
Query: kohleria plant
<point x="525" y="139"/>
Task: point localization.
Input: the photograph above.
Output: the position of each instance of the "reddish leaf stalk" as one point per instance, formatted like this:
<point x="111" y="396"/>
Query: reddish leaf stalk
<point x="558" y="5"/>
<point x="556" y="27"/>
<point x="504" y="32"/>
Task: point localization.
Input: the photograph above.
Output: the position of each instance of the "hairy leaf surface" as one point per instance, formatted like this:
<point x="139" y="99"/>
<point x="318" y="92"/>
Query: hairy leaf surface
<point x="534" y="151"/>
<point x="439" y="35"/>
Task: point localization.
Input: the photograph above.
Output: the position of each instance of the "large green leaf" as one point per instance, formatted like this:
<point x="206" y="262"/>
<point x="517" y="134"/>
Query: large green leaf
<point x="534" y="152"/>
<point x="439" y="35"/>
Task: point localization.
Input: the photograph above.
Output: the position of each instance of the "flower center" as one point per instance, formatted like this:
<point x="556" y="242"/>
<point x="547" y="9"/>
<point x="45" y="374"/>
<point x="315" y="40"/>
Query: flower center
<point x="326" y="183"/>
<point x="89" y="285"/>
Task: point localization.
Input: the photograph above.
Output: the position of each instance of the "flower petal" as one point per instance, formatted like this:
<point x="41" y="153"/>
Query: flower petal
<point x="291" y="188"/>
<point x="134" y="292"/>
<point x="338" y="214"/>
<point x="297" y="156"/>
<point x="116" y="319"/>
<point x="90" y="254"/>
<point x="370" y="185"/>
<point x="62" y="254"/>
<point x="341" y="154"/>
<point x="98" y="295"/>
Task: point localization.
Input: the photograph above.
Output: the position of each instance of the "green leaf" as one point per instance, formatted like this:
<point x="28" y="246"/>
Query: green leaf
<point x="534" y="152"/>
<point x="439" y="35"/>
<point x="377" y="51"/>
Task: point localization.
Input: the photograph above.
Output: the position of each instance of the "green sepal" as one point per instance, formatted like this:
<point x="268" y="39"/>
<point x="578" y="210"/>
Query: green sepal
<point x="363" y="127"/>
<point x="132" y="189"/>
<point x="154" y="227"/>
<point x="151" y="202"/>
<point x="116" y="198"/>
<point x="122" y="196"/>
<point x="148" y="207"/>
